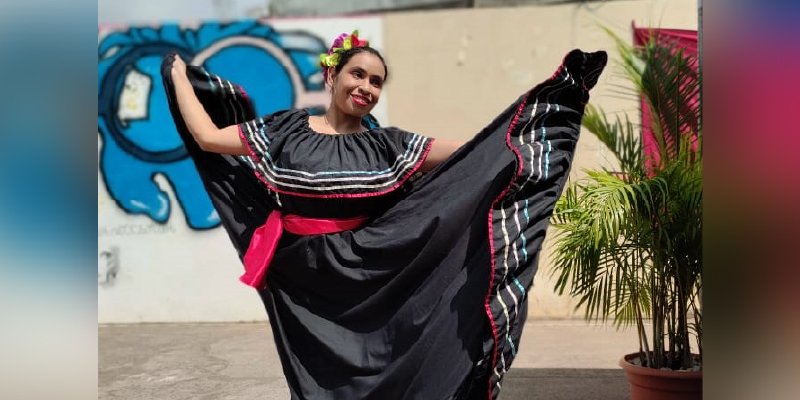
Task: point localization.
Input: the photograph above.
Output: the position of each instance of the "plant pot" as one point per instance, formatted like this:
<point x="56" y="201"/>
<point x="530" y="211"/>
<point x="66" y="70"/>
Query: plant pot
<point x="658" y="384"/>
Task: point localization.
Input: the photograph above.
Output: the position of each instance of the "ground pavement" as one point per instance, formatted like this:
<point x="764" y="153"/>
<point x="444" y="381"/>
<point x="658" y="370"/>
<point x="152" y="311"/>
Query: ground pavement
<point x="557" y="360"/>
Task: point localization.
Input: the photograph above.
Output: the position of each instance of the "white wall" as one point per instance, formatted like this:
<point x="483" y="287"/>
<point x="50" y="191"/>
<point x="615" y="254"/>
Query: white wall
<point x="150" y="11"/>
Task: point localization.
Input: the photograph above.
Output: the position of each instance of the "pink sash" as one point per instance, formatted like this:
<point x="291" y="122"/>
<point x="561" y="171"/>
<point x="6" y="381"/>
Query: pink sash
<point x="265" y="239"/>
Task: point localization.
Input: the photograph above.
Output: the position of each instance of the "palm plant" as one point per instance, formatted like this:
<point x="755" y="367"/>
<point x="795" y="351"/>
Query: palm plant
<point x="628" y="240"/>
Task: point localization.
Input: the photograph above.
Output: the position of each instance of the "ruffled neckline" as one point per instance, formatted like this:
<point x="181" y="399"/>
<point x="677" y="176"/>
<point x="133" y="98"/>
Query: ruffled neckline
<point x="305" y="116"/>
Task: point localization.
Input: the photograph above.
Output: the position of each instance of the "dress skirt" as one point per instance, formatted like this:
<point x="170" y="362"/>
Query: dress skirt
<point x="426" y="300"/>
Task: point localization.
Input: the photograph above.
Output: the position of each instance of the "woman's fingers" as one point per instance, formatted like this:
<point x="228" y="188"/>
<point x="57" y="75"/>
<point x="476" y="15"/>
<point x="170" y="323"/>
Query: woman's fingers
<point x="178" y="65"/>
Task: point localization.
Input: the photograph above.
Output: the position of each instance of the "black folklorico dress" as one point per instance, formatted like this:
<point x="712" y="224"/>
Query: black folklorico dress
<point x="427" y="298"/>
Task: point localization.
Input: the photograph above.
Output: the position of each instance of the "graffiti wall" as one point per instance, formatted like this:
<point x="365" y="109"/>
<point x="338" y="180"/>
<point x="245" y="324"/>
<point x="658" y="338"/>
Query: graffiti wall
<point x="161" y="249"/>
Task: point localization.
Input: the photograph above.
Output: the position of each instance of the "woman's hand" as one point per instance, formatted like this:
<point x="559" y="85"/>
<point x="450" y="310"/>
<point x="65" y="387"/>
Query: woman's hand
<point x="178" y="67"/>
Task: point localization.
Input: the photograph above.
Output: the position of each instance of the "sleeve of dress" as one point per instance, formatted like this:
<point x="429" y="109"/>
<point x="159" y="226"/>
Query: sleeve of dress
<point x="254" y="137"/>
<point x="411" y="150"/>
<point x="239" y="198"/>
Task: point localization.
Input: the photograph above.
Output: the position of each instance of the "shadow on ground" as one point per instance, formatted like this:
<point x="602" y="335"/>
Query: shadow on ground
<point x="564" y="384"/>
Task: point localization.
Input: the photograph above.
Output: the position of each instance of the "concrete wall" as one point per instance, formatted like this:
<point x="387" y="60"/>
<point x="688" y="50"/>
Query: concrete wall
<point x="162" y="255"/>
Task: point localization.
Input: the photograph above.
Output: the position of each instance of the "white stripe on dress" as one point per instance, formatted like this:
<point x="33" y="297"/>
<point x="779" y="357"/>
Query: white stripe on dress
<point x="268" y="174"/>
<point x="366" y="175"/>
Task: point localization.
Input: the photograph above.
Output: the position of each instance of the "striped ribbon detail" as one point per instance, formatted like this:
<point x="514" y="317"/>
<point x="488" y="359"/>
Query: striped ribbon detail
<point x="541" y="118"/>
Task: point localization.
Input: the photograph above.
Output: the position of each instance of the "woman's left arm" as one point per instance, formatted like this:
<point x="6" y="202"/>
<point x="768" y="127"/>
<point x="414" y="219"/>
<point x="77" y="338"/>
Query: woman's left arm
<point x="440" y="151"/>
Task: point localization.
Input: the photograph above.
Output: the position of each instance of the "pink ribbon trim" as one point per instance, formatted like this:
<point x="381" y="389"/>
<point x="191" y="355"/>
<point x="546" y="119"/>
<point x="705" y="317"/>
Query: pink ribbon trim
<point x="265" y="239"/>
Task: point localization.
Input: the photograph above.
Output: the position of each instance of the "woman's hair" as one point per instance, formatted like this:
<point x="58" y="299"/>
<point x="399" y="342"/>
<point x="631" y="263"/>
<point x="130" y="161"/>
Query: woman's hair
<point x="346" y="55"/>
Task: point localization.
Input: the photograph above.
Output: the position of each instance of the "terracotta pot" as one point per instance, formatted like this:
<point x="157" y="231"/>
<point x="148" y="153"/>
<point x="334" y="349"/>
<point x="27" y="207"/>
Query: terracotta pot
<point x="657" y="384"/>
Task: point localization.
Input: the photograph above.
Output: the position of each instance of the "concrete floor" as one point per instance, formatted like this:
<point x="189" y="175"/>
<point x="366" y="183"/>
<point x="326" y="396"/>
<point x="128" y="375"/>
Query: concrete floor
<point x="556" y="360"/>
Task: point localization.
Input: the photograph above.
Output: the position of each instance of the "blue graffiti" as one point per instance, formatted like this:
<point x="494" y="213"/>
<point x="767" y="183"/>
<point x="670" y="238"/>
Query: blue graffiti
<point x="139" y="142"/>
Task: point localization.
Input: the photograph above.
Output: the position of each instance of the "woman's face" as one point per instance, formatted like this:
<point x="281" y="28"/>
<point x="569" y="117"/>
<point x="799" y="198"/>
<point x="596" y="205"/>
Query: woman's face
<point x="356" y="88"/>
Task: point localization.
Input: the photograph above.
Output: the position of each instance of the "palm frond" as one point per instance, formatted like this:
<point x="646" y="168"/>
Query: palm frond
<point x="629" y="241"/>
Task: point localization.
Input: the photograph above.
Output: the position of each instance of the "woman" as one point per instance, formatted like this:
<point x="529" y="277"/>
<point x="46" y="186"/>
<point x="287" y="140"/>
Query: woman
<point x="377" y="285"/>
<point x="355" y="81"/>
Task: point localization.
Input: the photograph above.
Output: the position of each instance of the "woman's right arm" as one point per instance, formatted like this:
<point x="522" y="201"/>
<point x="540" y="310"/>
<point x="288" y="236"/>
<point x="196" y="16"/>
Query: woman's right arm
<point x="440" y="151"/>
<point x="205" y="132"/>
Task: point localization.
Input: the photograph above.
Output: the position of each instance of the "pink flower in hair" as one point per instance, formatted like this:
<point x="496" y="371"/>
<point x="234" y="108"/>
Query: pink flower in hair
<point x="342" y="43"/>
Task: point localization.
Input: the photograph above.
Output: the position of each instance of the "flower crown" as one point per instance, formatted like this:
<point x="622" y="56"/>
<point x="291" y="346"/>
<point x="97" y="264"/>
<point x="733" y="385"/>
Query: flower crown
<point x="341" y="44"/>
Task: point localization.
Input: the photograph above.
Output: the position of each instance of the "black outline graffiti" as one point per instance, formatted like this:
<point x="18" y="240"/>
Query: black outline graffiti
<point x="112" y="267"/>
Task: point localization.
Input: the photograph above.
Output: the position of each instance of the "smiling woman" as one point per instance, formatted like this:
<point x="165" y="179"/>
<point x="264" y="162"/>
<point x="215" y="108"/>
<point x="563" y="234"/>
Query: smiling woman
<point x="378" y="285"/>
<point x="355" y="84"/>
